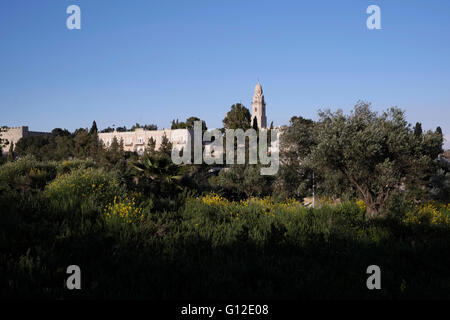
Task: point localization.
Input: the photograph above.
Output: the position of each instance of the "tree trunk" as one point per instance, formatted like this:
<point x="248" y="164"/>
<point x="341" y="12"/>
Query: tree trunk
<point x="371" y="211"/>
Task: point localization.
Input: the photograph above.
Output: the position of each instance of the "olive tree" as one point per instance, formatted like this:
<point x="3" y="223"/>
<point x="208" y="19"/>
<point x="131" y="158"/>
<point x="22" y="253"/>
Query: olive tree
<point x="376" y="154"/>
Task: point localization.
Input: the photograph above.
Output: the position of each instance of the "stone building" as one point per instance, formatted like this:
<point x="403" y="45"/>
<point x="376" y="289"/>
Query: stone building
<point x="137" y="140"/>
<point x="12" y="135"/>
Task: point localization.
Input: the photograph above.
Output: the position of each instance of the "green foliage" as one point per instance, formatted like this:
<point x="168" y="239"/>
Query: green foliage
<point x="157" y="175"/>
<point x="165" y="148"/>
<point x="68" y="166"/>
<point x="440" y="182"/>
<point x="255" y="247"/>
<point x="374" y="153"/>
<point x="178" y="125"/>
<point x="418" y="130"/>
<point x="237" y="118"/>
<point x="144" y="227"/>
<point x="106" y="130"/>
<point x="240" y="181"/>
<point x="114" y="155"/>
<point x="145" y="127"/>
<point x="189" y="124"/>
<point x="61" y="145"/>
<point x="255" y="124"/>
<point x="3" y="142"/>
<point x="27" y="173"/>
<point x="150" y="127"/>
<point x="295" y="174"/>
<point x="85" y="186"/>
<point x="94" y="128"/>
<point x="11" y="153"/>
<point x="151" y="146"/>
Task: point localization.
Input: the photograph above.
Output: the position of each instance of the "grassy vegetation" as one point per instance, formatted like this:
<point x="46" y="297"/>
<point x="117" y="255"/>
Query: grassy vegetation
<point x="54" y="214"/>
<point x="143" y="227"/>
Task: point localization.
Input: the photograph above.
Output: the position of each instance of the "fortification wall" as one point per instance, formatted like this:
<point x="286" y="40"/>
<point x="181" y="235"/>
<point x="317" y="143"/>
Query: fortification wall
<point x="14" y="134"/>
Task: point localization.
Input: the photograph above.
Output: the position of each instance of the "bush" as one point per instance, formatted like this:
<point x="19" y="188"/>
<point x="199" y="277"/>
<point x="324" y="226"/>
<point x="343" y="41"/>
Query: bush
<point x="135" y="244"/>
<point x="83" y="189"/>
<point x="122" y="212"/>
<point x="430" y="213"/>
<point x="27" y="173"/>
<point x="67" y="166"/>
<point x="263" y="220"/>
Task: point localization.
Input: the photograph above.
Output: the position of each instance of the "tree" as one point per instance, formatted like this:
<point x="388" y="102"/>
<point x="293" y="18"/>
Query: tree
<point x="255" y="124"/>
<point x="94" y="129"/>
<point x="418" y="129"/>
<point x="11" y="155"/>
<point x="440" y="182"/>
<point x="166" y="146"/>
<point x="109" y="129"/>
<point x="58" y="132"/>
<point x="375" y="153"/>
<point x="158" y="175"/>
<point x="115" y="154"/>
<point x="136" y="126"/>
<point x="151" y="146"/>
<point x="150" y="127"/>
<point x="82" y="139"/>
<point x="243" y="181"/>
<point x="296" y="143"/>
<point x="3" y="142"/>
<point x="190" y="123"/>
<point x="237" y="118"/>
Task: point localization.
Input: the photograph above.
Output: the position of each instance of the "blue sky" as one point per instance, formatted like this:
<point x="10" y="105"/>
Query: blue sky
<point x="153" y="61"/>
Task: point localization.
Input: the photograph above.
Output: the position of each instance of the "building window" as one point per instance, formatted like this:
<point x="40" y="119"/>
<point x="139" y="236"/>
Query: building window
<point x="140" y="140"/>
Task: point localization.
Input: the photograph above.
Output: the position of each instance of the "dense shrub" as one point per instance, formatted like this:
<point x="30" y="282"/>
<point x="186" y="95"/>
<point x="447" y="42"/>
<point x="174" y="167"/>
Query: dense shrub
<point x="129" y="245"/>
<point x="83" y="187"/>
<point x="27" y="173"/>
<point x="122" y="213"/>
<point x="67" y="166"/>
<point x="431" y="213"/>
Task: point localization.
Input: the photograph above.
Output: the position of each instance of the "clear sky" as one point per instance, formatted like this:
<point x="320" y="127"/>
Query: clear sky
<point x="152" y="61"/>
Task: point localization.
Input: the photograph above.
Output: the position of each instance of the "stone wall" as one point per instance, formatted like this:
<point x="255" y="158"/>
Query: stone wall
<point x="137" y="140"/>
<point x="14" y="134"/>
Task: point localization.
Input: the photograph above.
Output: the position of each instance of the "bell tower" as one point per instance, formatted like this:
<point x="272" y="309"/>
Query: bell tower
<point x="259" y="107"/>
